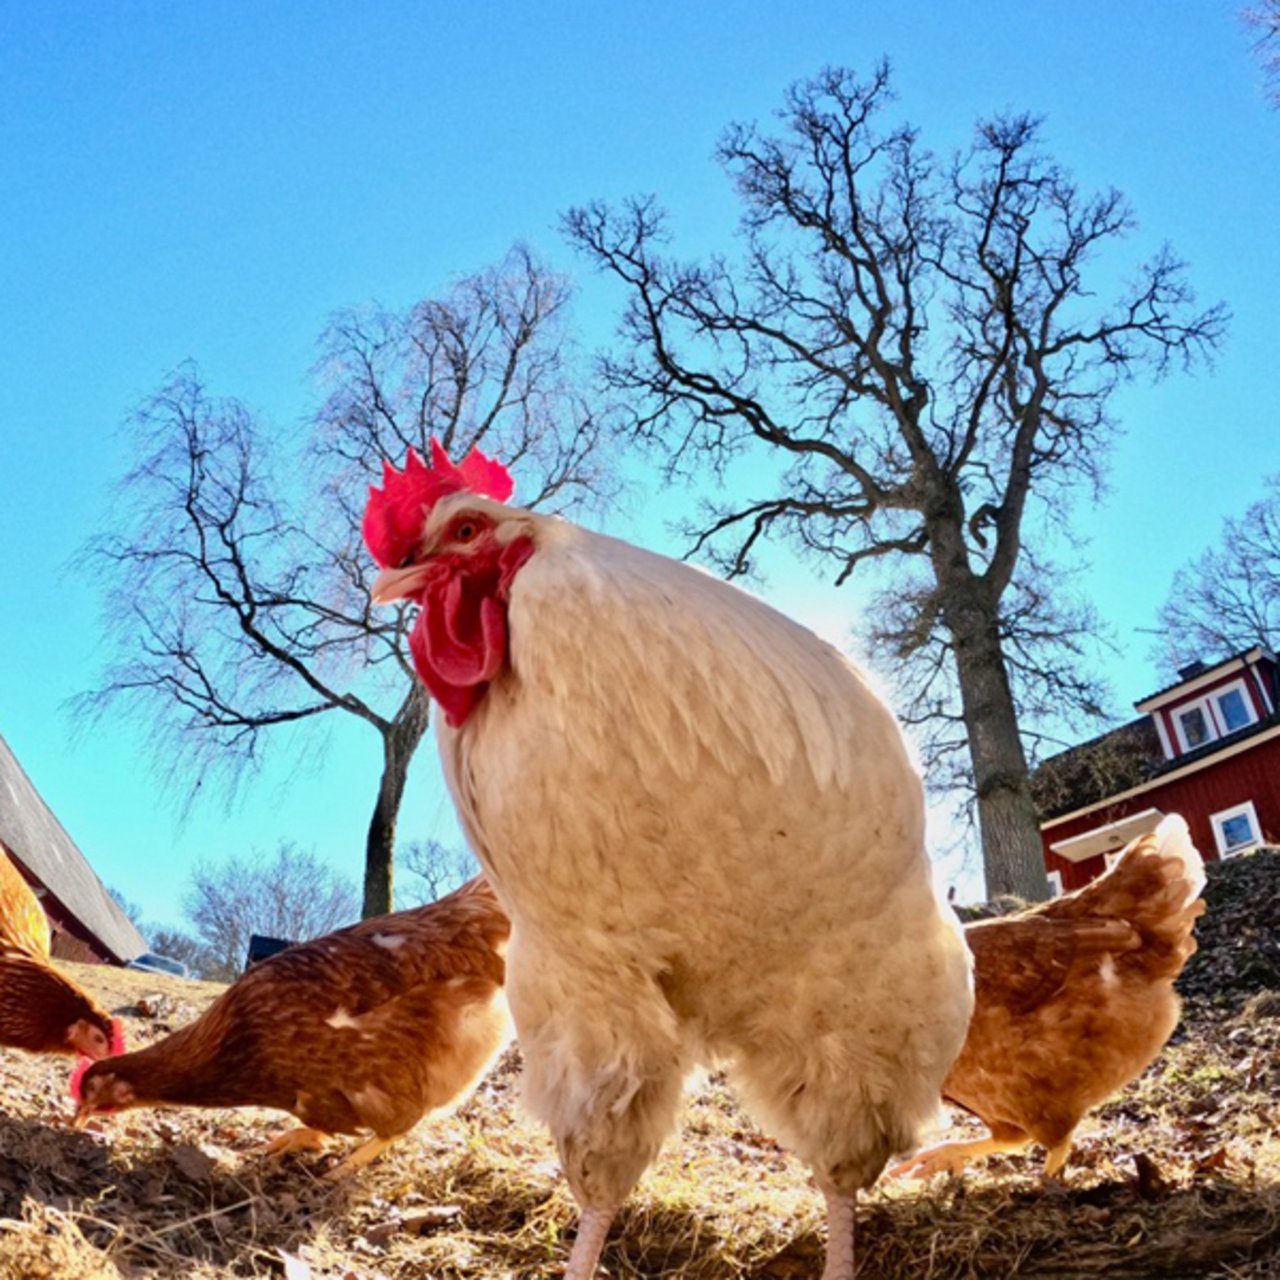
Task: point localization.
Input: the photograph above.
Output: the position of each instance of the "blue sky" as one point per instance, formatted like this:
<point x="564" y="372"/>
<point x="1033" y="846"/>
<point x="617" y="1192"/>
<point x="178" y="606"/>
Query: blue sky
<point x="212" y="181"/>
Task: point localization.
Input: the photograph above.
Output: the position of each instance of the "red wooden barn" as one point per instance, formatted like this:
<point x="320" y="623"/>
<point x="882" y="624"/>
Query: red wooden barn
<point x="1207" y="747"/>
<point x="86" y="922"/>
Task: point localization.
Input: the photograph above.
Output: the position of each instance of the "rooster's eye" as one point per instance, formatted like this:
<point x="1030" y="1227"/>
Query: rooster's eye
<point x="465" y="531"/>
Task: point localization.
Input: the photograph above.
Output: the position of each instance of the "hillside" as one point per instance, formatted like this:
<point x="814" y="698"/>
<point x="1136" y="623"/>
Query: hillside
<point x="1178" y="1177"/>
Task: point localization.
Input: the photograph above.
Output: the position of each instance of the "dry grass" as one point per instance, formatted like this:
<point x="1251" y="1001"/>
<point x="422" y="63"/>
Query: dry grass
<point x="1179" y="1176"/>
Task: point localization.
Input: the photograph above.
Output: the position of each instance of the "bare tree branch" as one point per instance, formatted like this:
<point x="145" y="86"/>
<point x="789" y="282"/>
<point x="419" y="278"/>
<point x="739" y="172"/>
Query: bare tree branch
<point x="437" y="868"/>
<point x="913" y="355"/>
<point x="291" y="895"/>
<point x="238" y="583"/>
<point x="1228" y="598"/>
<point x="1264" y="19"/>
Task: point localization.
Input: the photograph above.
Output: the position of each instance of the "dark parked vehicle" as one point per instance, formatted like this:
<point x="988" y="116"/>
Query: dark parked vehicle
<point x="260" y="947"/>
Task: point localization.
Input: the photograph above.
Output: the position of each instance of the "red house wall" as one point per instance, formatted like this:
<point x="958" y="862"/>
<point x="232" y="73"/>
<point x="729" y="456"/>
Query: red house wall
<point x="1250" y="775"/>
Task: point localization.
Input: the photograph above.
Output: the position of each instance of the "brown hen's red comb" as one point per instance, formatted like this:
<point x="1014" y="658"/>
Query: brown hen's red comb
<point x="83" y="1063"/>
<point x="394" y="517"/>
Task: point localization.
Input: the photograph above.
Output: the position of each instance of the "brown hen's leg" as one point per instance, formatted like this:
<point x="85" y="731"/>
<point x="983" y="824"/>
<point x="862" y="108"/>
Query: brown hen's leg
<point x="593" y="1228"/>
<point x="1056" y="1157"/>
<point x="360" y="1157"/>
<point x="951" y="1157"/>
<point x="840" y="1258"/>
<point x="300" y="1139"/>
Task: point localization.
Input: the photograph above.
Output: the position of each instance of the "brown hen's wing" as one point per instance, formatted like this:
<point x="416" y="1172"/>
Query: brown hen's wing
<point x="1023" y="962"/>
<point x="312" y="1021"/>
<point x="38" y="1003"/>
<point x="364" y="966"/>
<point x="463" y="933"/>
<point x="23" y="922"/>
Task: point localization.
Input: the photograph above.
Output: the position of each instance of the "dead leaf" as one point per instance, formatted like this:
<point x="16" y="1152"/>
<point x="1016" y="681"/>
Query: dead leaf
<point x="379" y="1236"/>
<point x="1151" y="1185"/>
<point x="431" y="1219"/>
<point x="191" y="1162"/>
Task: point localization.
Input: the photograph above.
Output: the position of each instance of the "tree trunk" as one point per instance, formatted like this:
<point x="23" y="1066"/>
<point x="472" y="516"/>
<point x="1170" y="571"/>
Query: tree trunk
<point x="399" y="742"/>
<point x="1012" y="856"/>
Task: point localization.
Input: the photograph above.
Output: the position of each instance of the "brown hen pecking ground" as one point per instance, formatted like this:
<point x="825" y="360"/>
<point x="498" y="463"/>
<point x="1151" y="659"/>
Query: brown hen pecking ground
<point x="1177" y="1177"/>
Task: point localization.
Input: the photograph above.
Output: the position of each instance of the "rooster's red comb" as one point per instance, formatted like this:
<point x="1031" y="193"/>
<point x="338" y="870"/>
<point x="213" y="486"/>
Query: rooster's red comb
<point x="394" y="517"/>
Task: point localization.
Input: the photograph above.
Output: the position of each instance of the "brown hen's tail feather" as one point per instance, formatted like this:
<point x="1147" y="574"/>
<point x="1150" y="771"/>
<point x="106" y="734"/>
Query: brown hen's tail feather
<point x="1155" y="885"/>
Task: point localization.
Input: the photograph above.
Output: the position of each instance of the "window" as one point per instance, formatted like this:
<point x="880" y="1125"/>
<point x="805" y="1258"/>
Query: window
<point x="1236" y="829"/>
<point x="1193" y="726"/>
<point x="1233" y="710"/>
<point x="1055" y="883"/>
<point x="1218" y="713"/>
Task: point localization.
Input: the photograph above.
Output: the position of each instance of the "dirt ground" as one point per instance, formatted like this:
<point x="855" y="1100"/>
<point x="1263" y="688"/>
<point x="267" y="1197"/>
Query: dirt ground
<point x="1177" y="1177"/>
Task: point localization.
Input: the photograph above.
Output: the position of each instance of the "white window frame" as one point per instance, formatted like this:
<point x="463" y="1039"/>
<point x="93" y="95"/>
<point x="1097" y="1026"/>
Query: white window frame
<point x="1246" y="697"/>
<point x="1055" y="883"/>
<point x="1176" y="714"/>
<point x="1208" y="704"/>
<point x="1218" y="820"/>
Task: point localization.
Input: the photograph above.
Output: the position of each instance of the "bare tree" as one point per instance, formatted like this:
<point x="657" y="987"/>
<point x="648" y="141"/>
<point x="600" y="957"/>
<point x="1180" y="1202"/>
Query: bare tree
<point x="291" y="895"/>
<point x="182" y="946"/>
<point x="1264" y="19"/>
<point x="919" y="350"/>
<point x="1228" y="599"/>
<point x="437" y="868"/>
<point x="1049" y="638"/>
<point x="127" y="905"/>
<point x="239" y="582"/>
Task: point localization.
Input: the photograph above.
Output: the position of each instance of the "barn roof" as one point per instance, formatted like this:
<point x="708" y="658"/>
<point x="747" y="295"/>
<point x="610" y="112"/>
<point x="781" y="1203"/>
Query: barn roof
<point x="30" y="831"/>
<point x="1119" y="761"/>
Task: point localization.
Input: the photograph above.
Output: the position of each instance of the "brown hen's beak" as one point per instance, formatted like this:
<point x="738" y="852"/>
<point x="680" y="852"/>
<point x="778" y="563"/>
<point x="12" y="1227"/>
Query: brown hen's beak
<point x="81" y="1117"/>
<point x="396" y="584"/>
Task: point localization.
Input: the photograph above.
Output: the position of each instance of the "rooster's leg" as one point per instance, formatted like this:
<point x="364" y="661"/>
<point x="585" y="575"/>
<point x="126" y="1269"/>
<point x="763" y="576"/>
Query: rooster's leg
<point x="593" y="1227"/>
<point x="360" y="1157"/>
<point x="300" y="1139"/>
<point x="951" y="1157"/>
<point x="840" y="1260"/>
<point x="601" y="1075"/>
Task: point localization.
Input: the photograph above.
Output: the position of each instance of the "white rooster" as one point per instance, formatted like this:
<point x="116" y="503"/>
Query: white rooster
<point x="706" y="829"/>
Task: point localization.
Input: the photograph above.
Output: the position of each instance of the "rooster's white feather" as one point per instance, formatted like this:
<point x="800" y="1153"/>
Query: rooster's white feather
<point x="708" y="832"/>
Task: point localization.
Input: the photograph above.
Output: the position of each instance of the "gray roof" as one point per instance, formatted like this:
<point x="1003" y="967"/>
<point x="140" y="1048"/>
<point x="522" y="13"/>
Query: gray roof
<point x="1198" y="670"/>
<point x="29" y="830"/>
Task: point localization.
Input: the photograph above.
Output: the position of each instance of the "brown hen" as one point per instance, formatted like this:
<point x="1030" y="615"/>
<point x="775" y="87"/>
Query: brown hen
<point x="41" y="1009"/>
<point x="1073" y="999"/>
<point x="363" y="1030"/>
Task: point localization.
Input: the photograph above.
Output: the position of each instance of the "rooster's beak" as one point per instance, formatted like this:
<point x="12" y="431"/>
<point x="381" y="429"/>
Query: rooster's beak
<point x="396" y="584"/>
<point x="81" y="1117"/>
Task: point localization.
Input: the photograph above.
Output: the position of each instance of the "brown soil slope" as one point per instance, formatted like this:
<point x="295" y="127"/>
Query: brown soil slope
<point x="1178" y="1177"/>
